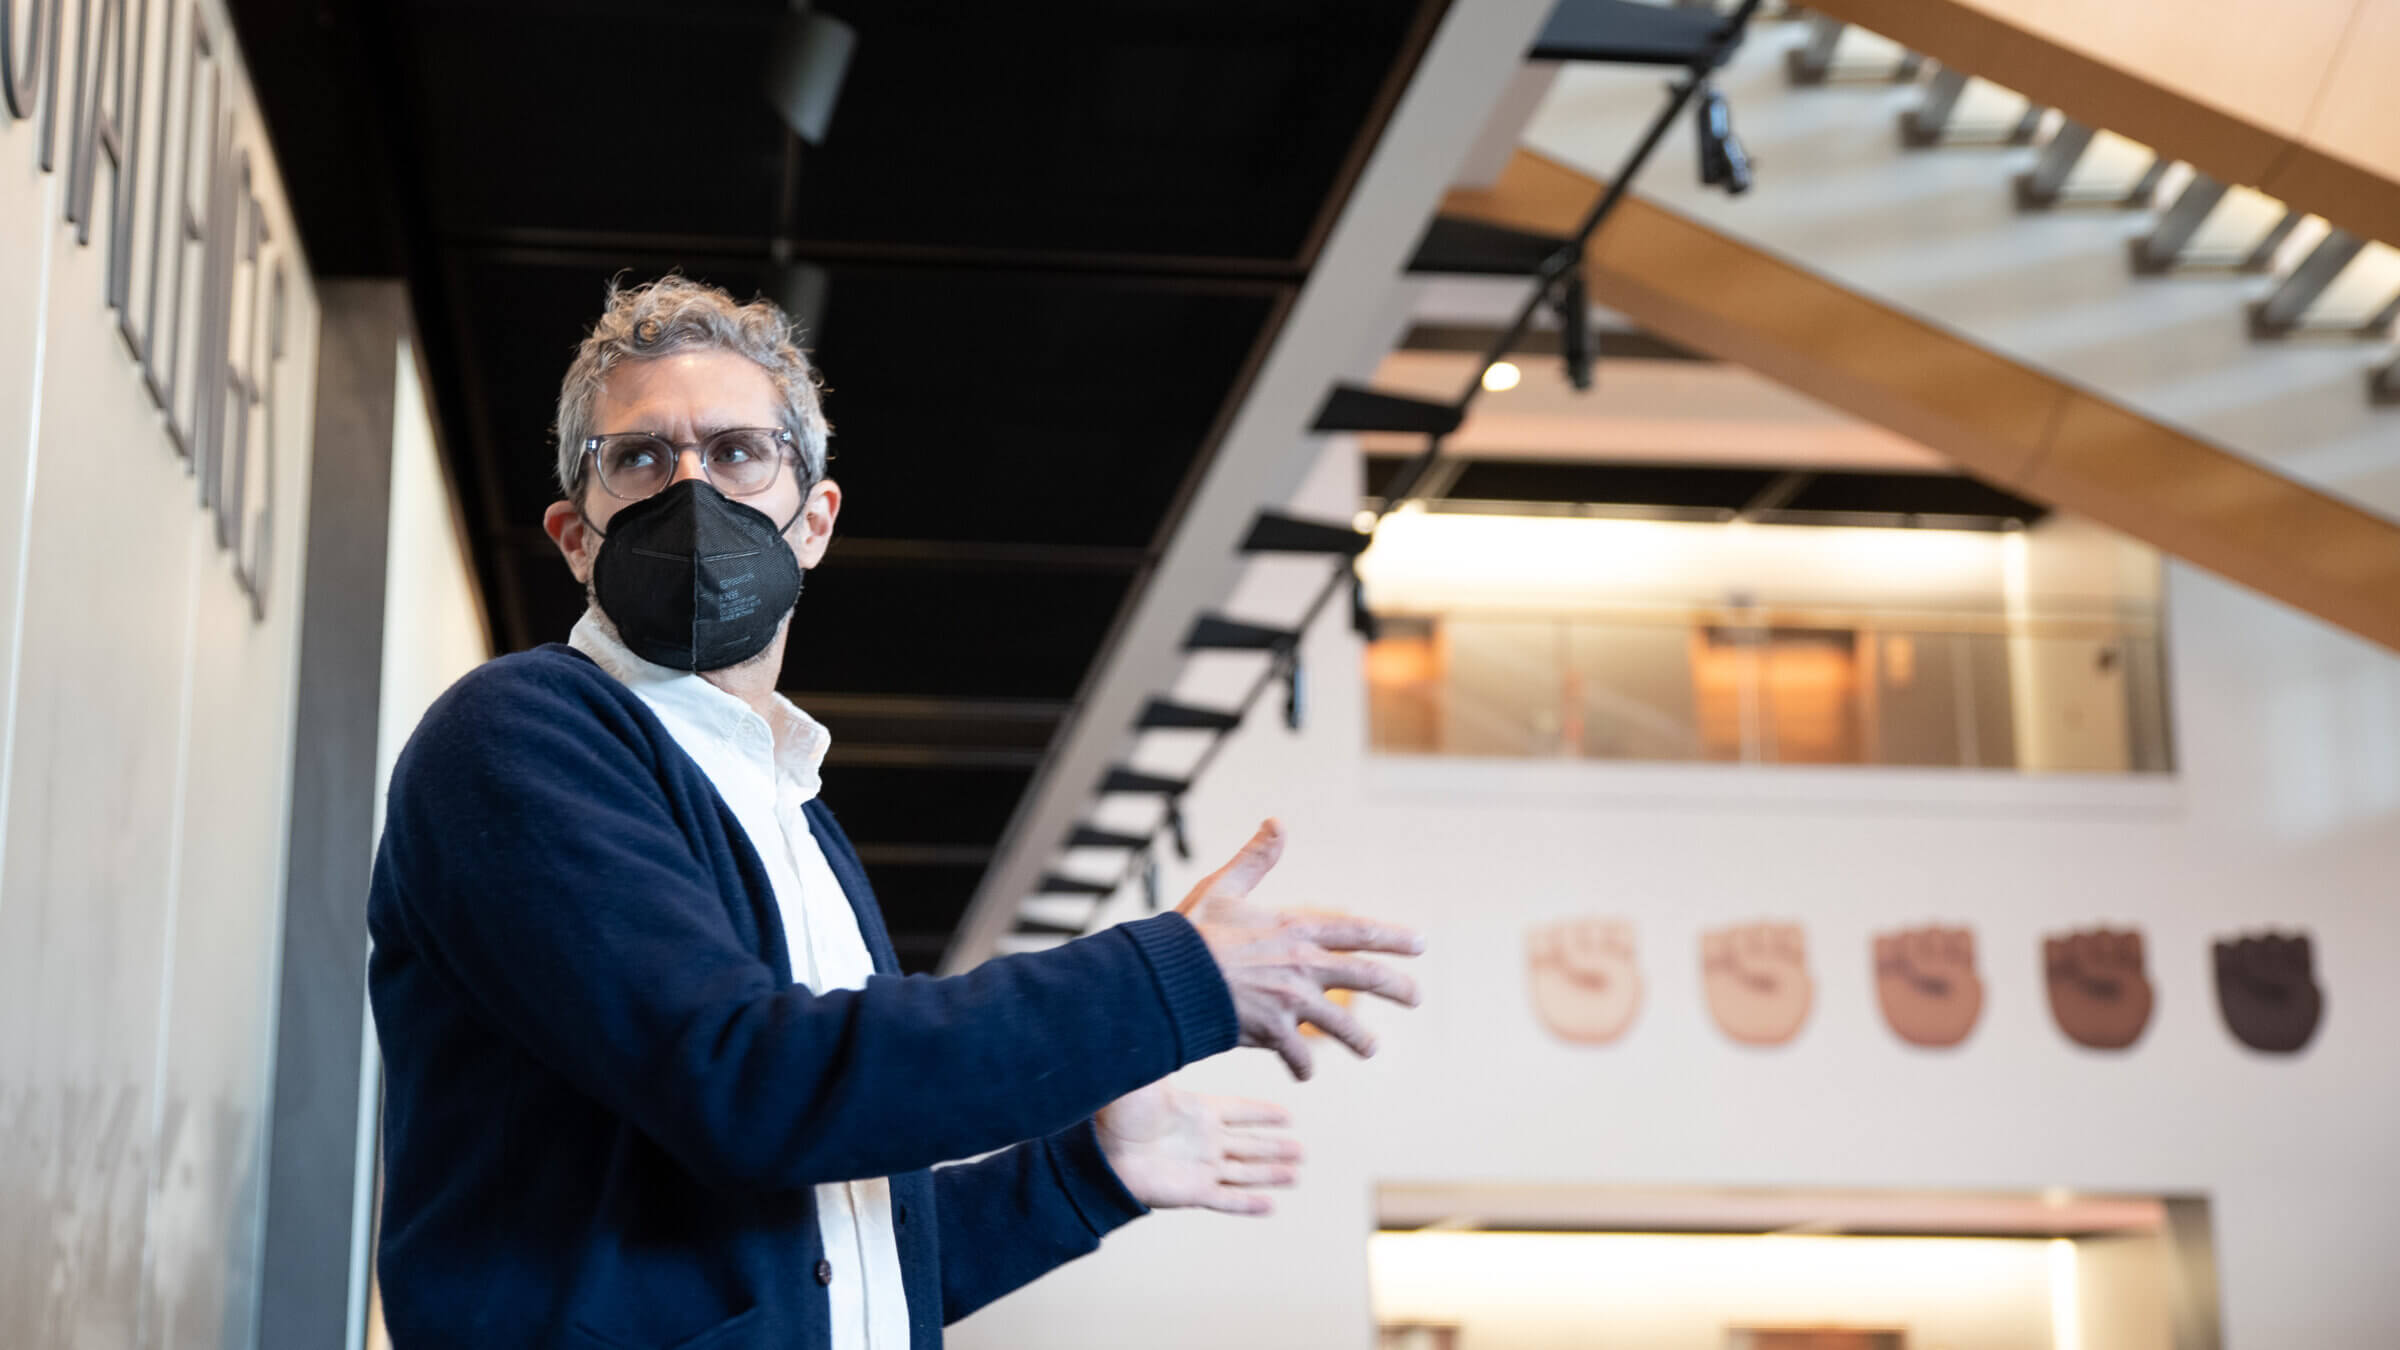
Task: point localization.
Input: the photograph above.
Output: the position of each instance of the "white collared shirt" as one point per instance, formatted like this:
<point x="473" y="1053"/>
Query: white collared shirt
<point x="766" y="775"/>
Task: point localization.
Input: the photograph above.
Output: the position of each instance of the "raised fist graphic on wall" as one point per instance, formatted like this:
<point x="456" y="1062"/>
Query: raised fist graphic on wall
<point x="2267" y="989"/>
<point x="1757" y="979"/>
<point x="1926" y="982"/>
<point x="1586" y="987"/>
<point x="2099" y="989"/>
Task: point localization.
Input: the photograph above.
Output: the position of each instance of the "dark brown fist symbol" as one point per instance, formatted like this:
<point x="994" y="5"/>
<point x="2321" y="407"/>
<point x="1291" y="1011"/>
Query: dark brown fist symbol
<point x="2267" y="989"/>
<point x="1925" y="978"/>
<point x="2099" y="991"/>
<point x="1757" y="980"/>
<point x="1585" y="984"/>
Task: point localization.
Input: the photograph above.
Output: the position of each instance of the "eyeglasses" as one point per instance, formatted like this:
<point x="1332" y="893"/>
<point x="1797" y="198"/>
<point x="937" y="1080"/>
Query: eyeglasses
<point x="738" y="461"/>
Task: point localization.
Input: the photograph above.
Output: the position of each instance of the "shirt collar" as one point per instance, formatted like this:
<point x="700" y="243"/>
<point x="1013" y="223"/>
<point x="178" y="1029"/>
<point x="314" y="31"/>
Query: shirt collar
<point x="800" y="741"/>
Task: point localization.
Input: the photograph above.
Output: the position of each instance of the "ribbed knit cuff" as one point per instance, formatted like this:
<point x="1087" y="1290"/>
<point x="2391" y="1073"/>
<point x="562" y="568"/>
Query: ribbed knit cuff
<point x="1091" y="1185"/>
<point x="1198" y="1003"/>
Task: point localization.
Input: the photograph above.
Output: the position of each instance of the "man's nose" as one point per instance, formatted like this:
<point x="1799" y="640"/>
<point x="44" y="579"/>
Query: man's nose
<point x="687" y="465"/>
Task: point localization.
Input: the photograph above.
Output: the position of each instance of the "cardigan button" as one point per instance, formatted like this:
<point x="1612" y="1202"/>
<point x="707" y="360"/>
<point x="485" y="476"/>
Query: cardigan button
<point x="824" y="1272"/>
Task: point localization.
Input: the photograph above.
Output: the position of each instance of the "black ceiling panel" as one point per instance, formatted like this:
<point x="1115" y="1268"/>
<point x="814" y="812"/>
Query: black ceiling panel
<point x="1024" y="407"/>
<point x="884" y="805"/>
<point x="963" y="632"/>
<point x="1201" y="128"/>
<point x="918" y="897"/>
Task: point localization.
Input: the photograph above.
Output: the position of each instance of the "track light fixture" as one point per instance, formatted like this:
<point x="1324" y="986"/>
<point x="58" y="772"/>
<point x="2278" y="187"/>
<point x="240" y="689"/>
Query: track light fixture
<point x="1723" y="161"/>
<point x="1150" y="899"/>
<point x="1362" y="619"/>
<point x="1574" y="309"/>
<point x="1175" y="829"/>
<point x="1294" y="697"/>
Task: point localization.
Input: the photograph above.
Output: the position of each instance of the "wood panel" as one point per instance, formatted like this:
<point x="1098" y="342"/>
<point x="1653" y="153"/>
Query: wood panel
<point x="2021" y="428"/>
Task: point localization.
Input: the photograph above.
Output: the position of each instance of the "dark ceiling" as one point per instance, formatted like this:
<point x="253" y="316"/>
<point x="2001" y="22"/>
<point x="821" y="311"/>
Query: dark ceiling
<point x="1058" y="238"/>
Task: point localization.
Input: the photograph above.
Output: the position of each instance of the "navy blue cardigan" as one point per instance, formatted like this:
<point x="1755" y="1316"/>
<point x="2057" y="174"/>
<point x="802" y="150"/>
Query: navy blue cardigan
<point x="607" y="1102"/>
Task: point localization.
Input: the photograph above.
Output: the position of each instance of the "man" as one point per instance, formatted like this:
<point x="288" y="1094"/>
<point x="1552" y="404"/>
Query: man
<point x="652" y="1082"/>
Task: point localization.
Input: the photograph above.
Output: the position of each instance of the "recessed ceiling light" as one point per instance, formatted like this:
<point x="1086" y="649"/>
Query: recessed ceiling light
<point x="1502" y="377"/>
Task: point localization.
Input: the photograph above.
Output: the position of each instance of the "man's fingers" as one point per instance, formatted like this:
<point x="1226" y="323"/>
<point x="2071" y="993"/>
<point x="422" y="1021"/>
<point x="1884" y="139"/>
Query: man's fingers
<point x="1244" y="1111"/>
<point x="1237" y="877"/>
<point x="1257" y="1174"/>
<point x="1233" y="1200"/>
<point x="1294" y="1049"/>
<point x="1368" y="977"/>
<point x="1261" y="1148"/>
<point x="1336" y="1021"/>
<point x="1362" y="935"/>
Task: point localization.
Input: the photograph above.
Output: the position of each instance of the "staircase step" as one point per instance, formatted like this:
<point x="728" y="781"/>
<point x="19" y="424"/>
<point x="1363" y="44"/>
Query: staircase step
<point x="1133" y="780"/>
<point x="1214" y="633"/>
<point x="1275" y="532"/>
<point x="1045" y="928"/>
<point x="1055" y="884"/>
<point x="1350" y="408"/>
<point x="1473" y="248"/>
<point x="1090" y="836"/>
<point x="1626" y="33"/>
<point x="1165" y="713"/>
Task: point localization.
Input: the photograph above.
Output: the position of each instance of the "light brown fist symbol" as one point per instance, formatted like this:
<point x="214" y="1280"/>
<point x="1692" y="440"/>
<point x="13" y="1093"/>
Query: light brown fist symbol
<point x="2099" y="991"/>
<point x="1757" y="978"/>
<point x="1925" y="979"/>
<point x="1586" y="987"/>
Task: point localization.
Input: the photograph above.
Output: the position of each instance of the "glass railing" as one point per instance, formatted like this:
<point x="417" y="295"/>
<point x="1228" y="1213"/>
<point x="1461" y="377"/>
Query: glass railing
<point x="2059" y="694"/>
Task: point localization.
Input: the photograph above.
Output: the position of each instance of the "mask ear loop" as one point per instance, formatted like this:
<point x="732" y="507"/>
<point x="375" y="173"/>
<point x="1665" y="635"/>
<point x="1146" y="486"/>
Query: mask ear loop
<point x="805" y="489"/>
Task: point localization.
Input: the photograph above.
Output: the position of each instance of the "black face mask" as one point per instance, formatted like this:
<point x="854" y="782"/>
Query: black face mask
<point x="695" y="580"/>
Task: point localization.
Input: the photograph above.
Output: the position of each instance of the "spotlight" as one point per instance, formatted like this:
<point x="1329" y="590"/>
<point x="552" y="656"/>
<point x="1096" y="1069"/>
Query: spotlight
<point x="1723" y="162"/>
<point x="1295" y="700"/>
<point x="1502" y="376"/>
<point x="809" y="57"/>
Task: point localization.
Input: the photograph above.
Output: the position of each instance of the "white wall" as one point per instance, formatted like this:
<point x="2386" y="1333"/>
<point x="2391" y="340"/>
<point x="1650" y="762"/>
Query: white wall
<point x="2286" y="811"/>
<point x="433" y="628"/>
<point x="1575" y="1291"/>
<point x="433" y="621"/>
<point x="145" y="726"/>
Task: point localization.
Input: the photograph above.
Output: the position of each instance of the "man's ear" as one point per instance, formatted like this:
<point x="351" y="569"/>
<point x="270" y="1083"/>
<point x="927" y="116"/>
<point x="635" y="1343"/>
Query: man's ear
<point x="576" y="539"/>
<point x="815" y="529"/>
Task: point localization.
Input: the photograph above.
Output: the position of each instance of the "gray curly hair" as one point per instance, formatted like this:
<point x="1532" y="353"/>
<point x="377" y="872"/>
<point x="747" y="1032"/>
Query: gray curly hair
<point x="673" y="314"/>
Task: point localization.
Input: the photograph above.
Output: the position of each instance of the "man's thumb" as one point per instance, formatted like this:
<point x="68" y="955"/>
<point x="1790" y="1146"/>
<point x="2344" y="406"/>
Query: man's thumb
<point x="1256" y="859"/>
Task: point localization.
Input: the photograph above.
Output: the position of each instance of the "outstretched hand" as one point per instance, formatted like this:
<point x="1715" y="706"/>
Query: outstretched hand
<point x="1182" y="1150"/>
<point x="1280" y="966"/>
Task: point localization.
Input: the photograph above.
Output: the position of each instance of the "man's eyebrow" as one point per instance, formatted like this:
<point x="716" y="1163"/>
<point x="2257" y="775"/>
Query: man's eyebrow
<point x="701" y="431"/>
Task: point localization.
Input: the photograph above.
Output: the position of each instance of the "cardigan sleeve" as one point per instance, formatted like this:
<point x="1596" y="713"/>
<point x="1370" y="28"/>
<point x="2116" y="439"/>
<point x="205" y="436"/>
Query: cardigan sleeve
<point x="538" y="864"/>
<point x="1023" y="1213"/>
